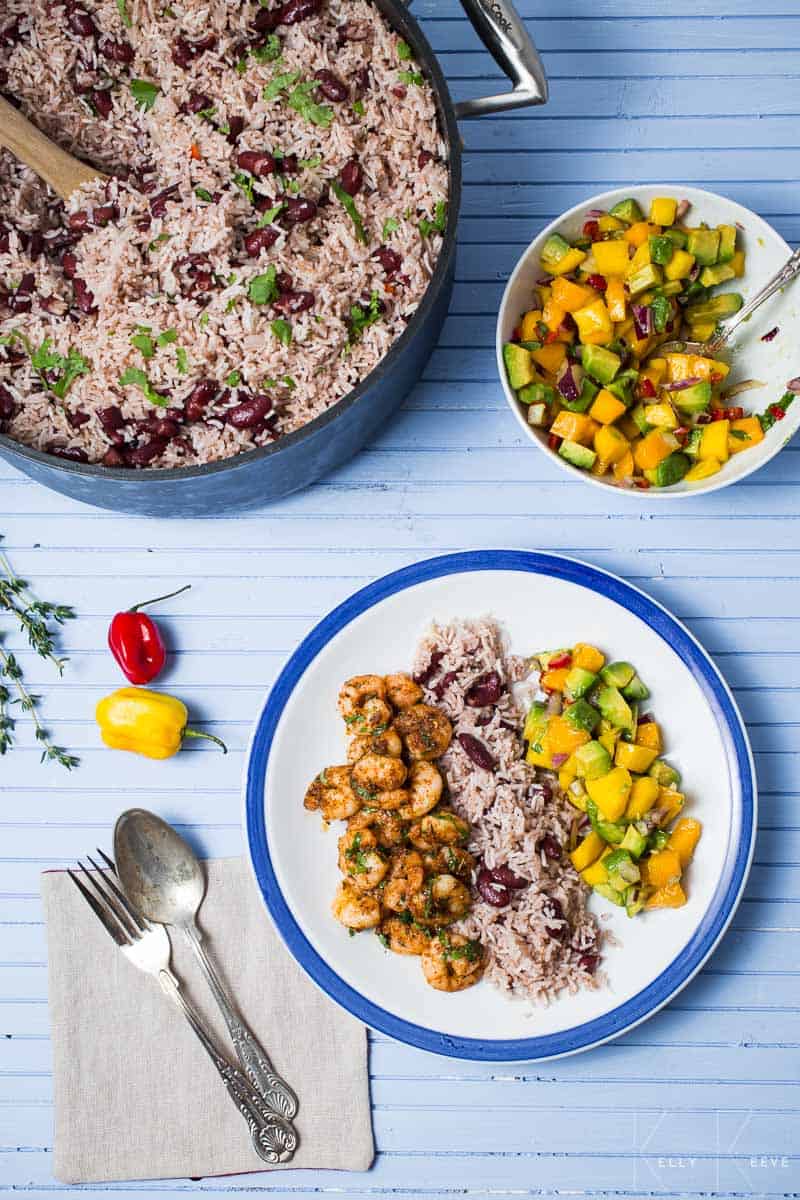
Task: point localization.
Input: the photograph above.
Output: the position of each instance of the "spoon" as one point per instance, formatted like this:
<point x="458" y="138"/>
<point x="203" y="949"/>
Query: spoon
<point x="164" y="880"/>
<point x="788" y="272"/>
<point x="52" y="164"/>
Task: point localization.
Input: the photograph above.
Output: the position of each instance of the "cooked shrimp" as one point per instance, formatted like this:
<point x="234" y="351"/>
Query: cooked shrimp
<point x="373" y="718"/>
<point x="332" y="794"/>
<point x="452" y="962"/>
<point x="404" y="937"/>
<point x="355" y="909"/>
<point x="395" y="799"/>
<point x="442" y="827"/>
<point x="387" y="743"/>
<point x="405" y="880"/>
<point x="389" y="830"/>
<point x="426" y="732"/>
<point x="377" y="773"/>
<point x="443" y="899"/>
<point x="447" y="860"/>
<point x="424" y="788"/>
<point x="361" y="860"/>
<point x="357" y="691"/>
<point x="402" y="691"/>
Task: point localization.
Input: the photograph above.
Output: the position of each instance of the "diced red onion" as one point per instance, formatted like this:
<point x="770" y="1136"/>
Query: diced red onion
<point x="592" y="213"/>
<point x="682" y="209"/>
<point x="559" y="760"/>
<point x="642" y="319"/>
<point x="680" y="385"/>
<point x="794" y="385"/>
<point x="744" y="386"/>
<point x="570" y="380"/>
<point x="773" y="333"/>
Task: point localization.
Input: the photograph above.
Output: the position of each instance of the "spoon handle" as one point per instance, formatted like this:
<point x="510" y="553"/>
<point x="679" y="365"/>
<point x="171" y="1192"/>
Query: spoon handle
<point x="254" y="1059"/>
<point x="789" y="271"/>
<point x="52" y="164"/>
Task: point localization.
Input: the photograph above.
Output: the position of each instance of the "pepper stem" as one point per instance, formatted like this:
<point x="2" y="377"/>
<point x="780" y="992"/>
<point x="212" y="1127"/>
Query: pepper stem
<point x="157" y="599"/>
<point x="198" y="733"/>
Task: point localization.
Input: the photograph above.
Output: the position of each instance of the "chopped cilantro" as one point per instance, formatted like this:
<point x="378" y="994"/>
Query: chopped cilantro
<point x="383" y="939"/>
<point x="389" y="227"/>
<point x="133" y="376"/>
<point x="361" y="318"/>
<point x="204" y="319"/>
<point x="232" y="380"/>
<point x="144" y="92"/>
<point x="269" y="51"/>
<point x="404" y="51"/>
<point x="349" y="205"/>
<point x="301" y="100"/>
<point x="181" y="360"/>
<point x="769" y="417"/>
<point x="269" y="216"/>
<point x="144" y="343"/>
<point x="203" y="195"/>
<point x="167" y="337"/>
<point x="280" y="83"/>
<point x="411" y="77"/>
<point x="358" y="108"/>
<point x="244" y="181"/>
<point x="439" y="222"/>
<point x="282" y="330"/>
<point x="57" y="372"/>
<point x="162" y="237"/>
<point x="290" y="383"/>
<point x="262" y="288"/>
<point x="123" y="14"/>
<point x="740" y="435"/>
<point x="306" y="163"/>
<point x="207" y="113"/>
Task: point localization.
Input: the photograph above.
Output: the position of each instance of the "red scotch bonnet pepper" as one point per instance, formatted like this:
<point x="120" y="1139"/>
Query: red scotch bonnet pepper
<point x="136" y="643"/>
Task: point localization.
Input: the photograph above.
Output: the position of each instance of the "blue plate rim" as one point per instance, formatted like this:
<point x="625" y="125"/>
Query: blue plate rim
<point x="723" y="904"/>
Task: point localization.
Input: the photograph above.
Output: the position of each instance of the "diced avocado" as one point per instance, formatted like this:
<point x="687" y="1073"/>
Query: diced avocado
<point x="627" y="211"/>
<point x="727" y="243"/>
<point x="658" y="839"/>
<point x="519" y="365"/>
<point x="578" y="683"/>
<point x="621" y="869"/>
<point x="609" y="831"/>
<point x="531" y="345"/>
<point x="677" y="236"/>
<point x="622" y="387"/>
<point x="721" y="273"/>
<point x="630" y="733"/>
<point x="579" y="456"/>
<point x="634" y="900"/>
<point x="664" y="774"/>
<point x="662" y="312"/>
<point x="618" y="674"/>
<point x="640" y="420"/>
<point x="704" y="245"/>
<point x="634" y="842"/>
<point x="581" y="715"/>
<point x="592" y="760"/>
<point x="600" y="363"/>
<point x="716" y="309"/>
<point x="693" y="399"/>
<point x="635" y="690"/>
<point x="614" y="707"/>
<point x="609" y="893"/>
<point x="650" y="275"/>
<point x="589" y="390"/>
<point x="536" y="393"/>
<point x="661" y="249"/>
<point x="554" y="250"/>
<point x="670" y="470"/>
<point x="538" y="414"/>
<point x="692" y="447"/>
<point x="673" y="287"/>
<point x="535" y="722"/>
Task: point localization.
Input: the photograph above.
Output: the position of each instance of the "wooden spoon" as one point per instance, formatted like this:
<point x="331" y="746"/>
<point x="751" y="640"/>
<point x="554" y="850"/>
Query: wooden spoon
<point x="52" y="164"/>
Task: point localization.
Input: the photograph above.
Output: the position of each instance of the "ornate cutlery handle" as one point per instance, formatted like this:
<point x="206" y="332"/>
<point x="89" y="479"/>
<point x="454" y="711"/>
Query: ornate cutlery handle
<point x="789" y="270"/>
<point x="274" y="1137"/>
<point x="251" y="1054"/>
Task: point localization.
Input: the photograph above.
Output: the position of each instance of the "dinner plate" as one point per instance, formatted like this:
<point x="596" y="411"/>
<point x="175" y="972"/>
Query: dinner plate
<point x="542" y="601"/>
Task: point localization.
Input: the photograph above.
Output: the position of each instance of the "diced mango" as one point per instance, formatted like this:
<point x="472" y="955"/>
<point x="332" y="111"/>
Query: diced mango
<point x="539" y="758"/>
<point x="694" y="366"/>
<point x="639" y="232"/>
<point x="550" y="357"/>
<point x="671" y="896"/>
<point x="552" y="315"/>
<point x="671" y="802"/>
<point x="684" y="839"/>
<point x="660" y="868"/>
<point x="636" y="758"/>
<point x="679" y="265"/>
<point x="588" y="657"/>
<point x="587" y="851"/>
<point x="655" y="369"/>
<point x="596" y="873"/>
<point x="702" y="470"/>
<point x="606" y="408"/>
<point x="615" y="299"/>
<point x="648" y="733"/>
<point x="572" y="259"/>
<point x="654" y="447"/>
<point x="644" y="794"/>
<point x="608" y="737"/>
<point x="567" y="774"/>
<point x="594" y="324"/>
<point x="714" y="442"/>
<point x="555" y="680"/>
<point x="624" y="468"/>
<point x="611" y="258"/>
<point x="609" y="224"/>
<point x="610" y="445"/>
<point x="529" y="326"/>
<point x="661" y="415"/>
<point x="629" y="427"/>
<point x="610" y="792"/>
<point x="640" y="259"/>
<point x="575" y="427"/>
<point x="663" y="209"/>
<point x="737" y="264"/>
<point x="562" y="738"/>
<point x="744" y="433"/>
<point x="570" y="295"/>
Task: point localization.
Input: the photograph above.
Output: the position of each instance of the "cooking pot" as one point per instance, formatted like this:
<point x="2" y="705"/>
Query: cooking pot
<point x="293" y="462"/>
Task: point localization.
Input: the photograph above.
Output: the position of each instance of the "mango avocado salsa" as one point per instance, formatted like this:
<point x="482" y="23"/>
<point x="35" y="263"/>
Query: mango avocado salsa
<point x="631" y="844"/>
<point x="584" y="361"/>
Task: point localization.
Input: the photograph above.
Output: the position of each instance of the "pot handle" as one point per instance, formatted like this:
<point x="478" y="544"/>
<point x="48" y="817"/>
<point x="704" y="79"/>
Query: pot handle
<point x="504" y="35"/>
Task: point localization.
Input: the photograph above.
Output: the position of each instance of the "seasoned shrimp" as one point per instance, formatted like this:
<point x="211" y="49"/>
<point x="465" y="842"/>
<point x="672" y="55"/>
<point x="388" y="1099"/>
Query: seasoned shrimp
<point x="426" y="732"/>
<point x="377" y="773"/>
<point x="443" y="899"/>
<point x="387" y="827"/>
<point x="332" y="794"/>
<point x="372" y="719"/>
<point x="447" y="860"/>
<point x="405" y="880"/>
<point x="357" y="691"/>
<point x="444" y="828"/>
<point x="395" y="799"/>
<point x="404" y="937"/>
<point x="361" y="860"/>
<point x="402" y="691"/>
<point x="355" y="909"/>
<point x="387" y="743"/>
<point x="452" y="962"/>
<point x="424" y="788"/>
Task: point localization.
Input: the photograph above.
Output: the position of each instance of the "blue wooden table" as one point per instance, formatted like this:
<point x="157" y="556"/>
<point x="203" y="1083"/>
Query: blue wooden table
<point x="705" y="1097"/>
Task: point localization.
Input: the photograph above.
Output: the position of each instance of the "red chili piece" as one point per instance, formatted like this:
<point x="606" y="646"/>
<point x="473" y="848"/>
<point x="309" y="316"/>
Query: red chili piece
<point x="136" y="643"/>
<point x="647" y="388"/>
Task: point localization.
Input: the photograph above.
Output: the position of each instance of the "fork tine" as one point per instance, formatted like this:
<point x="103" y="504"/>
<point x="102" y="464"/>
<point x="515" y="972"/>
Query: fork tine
<point x="96" y="881"/>
<point x="108" y="882"/>
<point x="112" y="866"/>
<point x="106" y="919"/>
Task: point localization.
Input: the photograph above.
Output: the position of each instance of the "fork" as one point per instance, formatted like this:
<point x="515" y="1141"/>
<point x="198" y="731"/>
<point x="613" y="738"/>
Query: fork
<point x="148" y="947"/>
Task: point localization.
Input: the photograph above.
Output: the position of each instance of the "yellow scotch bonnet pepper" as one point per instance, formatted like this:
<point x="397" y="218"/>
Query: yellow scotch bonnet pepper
<point x="148" y="723"/>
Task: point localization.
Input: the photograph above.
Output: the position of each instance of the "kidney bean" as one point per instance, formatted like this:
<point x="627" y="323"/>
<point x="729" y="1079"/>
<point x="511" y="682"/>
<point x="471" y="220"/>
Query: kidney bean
<point x="184" y="52"/>
<point x="266" y="20"/>
<point x="298" y="211"/>
<point x="353" y="31"/>
<point x="83" y="297"/>
<point x="119" y="52"/>
<point x="492" y="892"/>
<point x="284" y="281"/>
<point x="588" y="962"/>
<point x="503" y="874"/>
<point x="196" y="103"/>
<point x="69" y="264"/>
<point x="114" y="457"/>
<point x="158" y="205"/>
<point x="235" y="127"/>
<point x="201" y="283"/>
<point x="484" y="691"/>
<point x="78" y="220"/>
<point x="163" y="427"/>
<point x="294" y="302"/>
<point x="484" y="718"/>
<point x="331" y="85"/>
<point x="260" y="239"/>
<point x="400" y="91"/>
<point x="71" y="453"/>
<point x="102" y="103"/>
<point x="111" y="418"/>
<point x="550" y="847"/>
<point x="77" y="418"/>
<point x="194" y="406"/>
<point x="352" y="177"/>
<point x="81" y="23"/>
<point x="7" y="404"/>
<point x="294" y="11"/>
<point x="477" y="752"/>
<point x="444" y="684"/>
<point x="12" y="33"/>
<point x="552" y="911"/>
<point x="35" y="245"/>
<point x="423" y="158"/>
<point x="257" y="162"/>
<point x="249" y="413"/>
<point x="105" y="213"/>
<point x="361" y="82"/>
<point x="289" y="165"/>
<point x="20" y="300"/>
<point x="142" y="455"/>
<point x="5" y="238"/>
<point x="426" y="675"/>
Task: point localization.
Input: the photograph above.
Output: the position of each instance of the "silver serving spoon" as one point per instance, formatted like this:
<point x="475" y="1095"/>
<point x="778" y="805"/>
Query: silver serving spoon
<point x="164" y="880"/>
<point x="789" y="271"/>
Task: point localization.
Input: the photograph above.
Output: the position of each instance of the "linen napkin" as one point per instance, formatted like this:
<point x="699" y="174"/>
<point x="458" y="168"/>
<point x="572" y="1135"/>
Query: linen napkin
<point x="136" y="1096"/>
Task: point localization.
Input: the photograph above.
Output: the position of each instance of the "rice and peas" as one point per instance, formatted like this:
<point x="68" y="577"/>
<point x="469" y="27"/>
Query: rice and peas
<point x="277" y="193"/>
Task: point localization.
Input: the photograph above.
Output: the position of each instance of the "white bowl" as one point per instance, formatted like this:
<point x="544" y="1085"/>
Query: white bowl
<point x="773" y="362"/>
